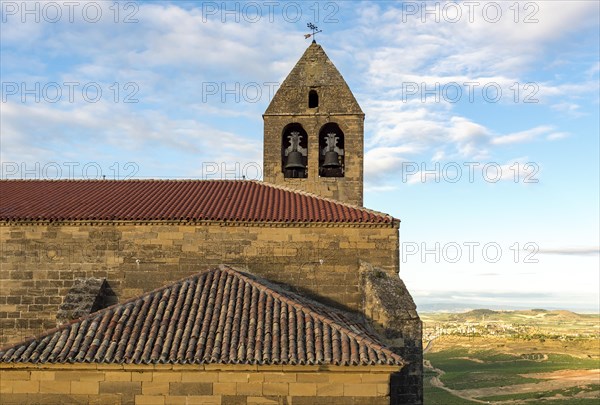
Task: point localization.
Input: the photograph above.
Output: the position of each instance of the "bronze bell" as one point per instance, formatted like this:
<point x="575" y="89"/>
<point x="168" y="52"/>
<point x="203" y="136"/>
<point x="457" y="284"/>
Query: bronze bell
<point x="294" y="161"/>
<point x="331" y="160"/>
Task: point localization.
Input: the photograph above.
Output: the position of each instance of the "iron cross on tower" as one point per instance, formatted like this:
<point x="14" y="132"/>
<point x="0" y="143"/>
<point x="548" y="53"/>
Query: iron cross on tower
<point x="315" y="31"/>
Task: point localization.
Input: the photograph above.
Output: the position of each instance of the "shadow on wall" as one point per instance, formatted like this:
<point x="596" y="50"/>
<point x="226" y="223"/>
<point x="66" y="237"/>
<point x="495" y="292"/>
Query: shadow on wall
<point x="87" y="295"/>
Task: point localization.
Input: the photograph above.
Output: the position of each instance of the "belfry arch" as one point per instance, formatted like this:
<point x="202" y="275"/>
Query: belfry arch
<point x="331" y="151"/>
<point x="294" y="151"/>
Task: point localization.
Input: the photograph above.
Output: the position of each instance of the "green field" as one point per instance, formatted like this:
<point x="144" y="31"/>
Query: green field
<point x="497" y="369"/>
<point x="567" y="392"/>
<point x="434" y="395"/>
<point x="465" y="370"/>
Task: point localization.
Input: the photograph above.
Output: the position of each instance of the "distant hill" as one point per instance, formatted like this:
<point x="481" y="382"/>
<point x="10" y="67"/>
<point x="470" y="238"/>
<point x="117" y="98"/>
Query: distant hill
<point x="529" y="316"/>
<point x="481" y="312"/>
<point x="459" y="307"/>
<point x="488" y="314"/>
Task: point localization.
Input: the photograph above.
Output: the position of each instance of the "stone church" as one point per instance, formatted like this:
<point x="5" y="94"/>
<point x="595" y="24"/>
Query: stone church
<point x="282" y="291"/>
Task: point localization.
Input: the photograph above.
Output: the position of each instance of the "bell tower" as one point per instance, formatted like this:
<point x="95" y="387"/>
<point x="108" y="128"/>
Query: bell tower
<point x="314" y="130"/>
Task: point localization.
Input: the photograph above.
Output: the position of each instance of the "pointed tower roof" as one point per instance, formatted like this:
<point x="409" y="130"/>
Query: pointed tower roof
<point x="314" y="70"/>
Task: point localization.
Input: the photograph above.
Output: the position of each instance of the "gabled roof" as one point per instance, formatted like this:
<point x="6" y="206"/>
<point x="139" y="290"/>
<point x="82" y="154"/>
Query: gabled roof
<point x="219" y="316"/>
<point x="178" y="200"/>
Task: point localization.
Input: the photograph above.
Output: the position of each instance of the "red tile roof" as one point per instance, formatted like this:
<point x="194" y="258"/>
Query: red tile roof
<point x="218" y="316"/>
<point x="194" y="200"/>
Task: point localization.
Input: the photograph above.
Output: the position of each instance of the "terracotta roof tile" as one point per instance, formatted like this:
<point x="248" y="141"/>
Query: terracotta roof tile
<point x="193" y="200"/>
<point x="218" y="316"/>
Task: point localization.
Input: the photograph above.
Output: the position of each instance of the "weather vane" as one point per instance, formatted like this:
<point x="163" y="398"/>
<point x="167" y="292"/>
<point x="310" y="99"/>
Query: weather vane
<point x="315" y="30"/>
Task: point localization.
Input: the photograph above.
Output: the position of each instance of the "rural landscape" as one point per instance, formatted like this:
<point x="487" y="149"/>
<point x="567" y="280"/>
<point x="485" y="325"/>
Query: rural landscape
<point x="511" y="357"/>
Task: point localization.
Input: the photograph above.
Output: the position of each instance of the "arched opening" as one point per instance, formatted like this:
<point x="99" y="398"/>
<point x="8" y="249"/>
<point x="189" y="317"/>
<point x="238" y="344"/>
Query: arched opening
<point x="294" y="151"/>
<point x="313" y="99"/>
<point x="331" y="151"/>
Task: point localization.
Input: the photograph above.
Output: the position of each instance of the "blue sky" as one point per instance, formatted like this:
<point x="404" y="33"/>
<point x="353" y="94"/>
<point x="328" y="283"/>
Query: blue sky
<point x="183" y="86"/>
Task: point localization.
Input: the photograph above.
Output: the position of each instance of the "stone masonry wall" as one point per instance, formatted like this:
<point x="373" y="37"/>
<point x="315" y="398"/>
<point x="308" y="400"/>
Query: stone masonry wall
<point x="193" y="384"/>
<point x="41" y="262"/>
<point x="393" y="313"/>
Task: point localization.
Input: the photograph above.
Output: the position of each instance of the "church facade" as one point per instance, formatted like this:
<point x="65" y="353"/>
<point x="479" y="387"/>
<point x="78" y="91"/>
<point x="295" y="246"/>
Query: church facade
<point x="225" y="292"/>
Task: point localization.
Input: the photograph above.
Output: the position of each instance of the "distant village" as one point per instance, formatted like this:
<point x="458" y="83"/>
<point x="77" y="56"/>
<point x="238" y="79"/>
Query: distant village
<point x="433" y="330"/>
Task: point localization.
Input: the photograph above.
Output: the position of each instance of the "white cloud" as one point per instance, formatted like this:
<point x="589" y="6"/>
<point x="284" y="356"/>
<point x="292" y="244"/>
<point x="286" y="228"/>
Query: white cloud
<point x="44" y="133"/>
<point x="381" y="161"/>
<point x="420" y="45"/>
<point x="577" y="251"/>
<point x="557" y="135"/>
<point x="593" y="70"/>
<point x="522" y="136"/>
<point x="408" y="132"/>
<point x="172" y="50"/>
<point x="432" y="55"/>
<point x="571" y="109"/>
